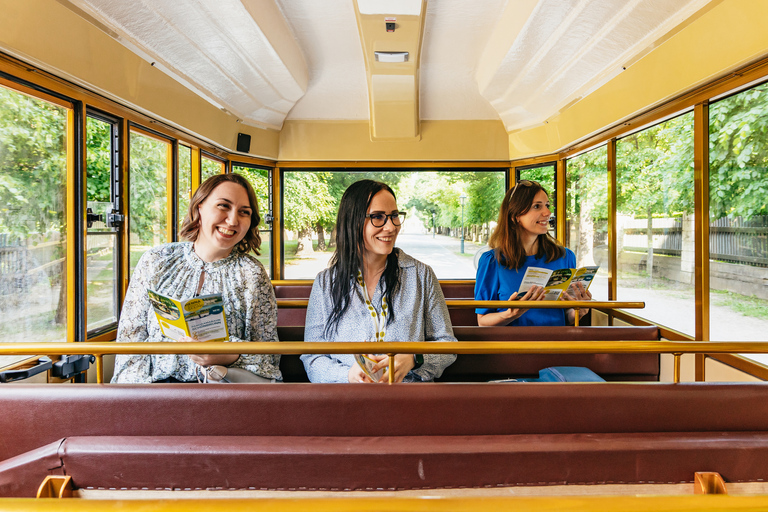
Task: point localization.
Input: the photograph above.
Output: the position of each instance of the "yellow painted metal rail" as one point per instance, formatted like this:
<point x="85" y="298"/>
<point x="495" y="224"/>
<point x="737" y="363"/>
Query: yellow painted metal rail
<point x="503" y="304"/>
<point x="471" y="304"/>
<point x="677" y="348"/>
<point x="701" y="503"/>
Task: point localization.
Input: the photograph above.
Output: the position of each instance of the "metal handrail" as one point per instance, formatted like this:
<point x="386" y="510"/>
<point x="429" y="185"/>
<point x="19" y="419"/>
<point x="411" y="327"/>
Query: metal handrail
<point x="526" y="304"/>
<point x="392" y="502"/>
<point x="503" y="304"/>
<point x="677" y="348"/>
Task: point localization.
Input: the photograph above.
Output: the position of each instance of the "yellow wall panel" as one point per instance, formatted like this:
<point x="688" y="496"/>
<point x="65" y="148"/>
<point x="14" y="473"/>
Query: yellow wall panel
<point x="350" y="140"/>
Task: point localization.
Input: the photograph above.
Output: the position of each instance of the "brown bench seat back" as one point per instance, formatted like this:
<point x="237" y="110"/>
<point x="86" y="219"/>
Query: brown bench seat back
<point x="319" y="436"/>
<point x="485" y="367"/>
<point x="612" y="367"/>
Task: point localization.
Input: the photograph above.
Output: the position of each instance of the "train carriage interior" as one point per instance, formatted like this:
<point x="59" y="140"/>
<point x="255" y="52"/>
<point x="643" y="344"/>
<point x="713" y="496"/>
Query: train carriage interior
<point x="646" y="122"/>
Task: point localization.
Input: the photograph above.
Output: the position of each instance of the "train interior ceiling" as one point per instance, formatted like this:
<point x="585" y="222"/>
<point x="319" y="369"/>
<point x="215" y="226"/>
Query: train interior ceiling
<point x="292" y="87"/>
<point x="328" y="81"/>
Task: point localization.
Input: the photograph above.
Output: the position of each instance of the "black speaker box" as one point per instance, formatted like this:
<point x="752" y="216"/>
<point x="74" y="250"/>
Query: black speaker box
<point x="243" y="142"/>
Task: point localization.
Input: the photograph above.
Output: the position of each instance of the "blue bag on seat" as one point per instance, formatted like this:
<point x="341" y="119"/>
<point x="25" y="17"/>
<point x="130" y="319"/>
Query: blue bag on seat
<point x="566" y="374"/>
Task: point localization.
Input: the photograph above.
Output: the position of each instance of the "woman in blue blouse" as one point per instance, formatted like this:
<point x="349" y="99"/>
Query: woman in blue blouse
<point x="519" y="241"/>
<point x="374" y="292"/>
<point x="222" y="226"/>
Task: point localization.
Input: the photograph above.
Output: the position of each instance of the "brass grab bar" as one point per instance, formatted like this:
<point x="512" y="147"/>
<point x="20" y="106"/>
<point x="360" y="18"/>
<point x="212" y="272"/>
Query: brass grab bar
<point x="99" y="349"/>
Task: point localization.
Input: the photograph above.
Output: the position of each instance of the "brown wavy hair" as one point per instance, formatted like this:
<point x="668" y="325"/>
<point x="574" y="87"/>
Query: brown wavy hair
<point x="506" y="239"/>
<point x="191" y="225"/>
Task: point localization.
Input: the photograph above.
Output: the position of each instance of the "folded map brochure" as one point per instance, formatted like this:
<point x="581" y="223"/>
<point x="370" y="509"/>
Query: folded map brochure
<point x="367" y="364"/>
<point x="201" y="318"/>
<point x="555" y="282"/>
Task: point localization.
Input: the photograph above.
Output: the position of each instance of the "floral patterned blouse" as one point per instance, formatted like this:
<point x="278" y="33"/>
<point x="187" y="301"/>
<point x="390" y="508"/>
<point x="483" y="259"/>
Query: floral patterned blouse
<point x="420" y="315"/>
<point x="174" y="270"/>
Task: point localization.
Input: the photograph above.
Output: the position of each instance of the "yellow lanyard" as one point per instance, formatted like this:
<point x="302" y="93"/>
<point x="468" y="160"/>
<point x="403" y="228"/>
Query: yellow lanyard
<point x="379" y="322"/>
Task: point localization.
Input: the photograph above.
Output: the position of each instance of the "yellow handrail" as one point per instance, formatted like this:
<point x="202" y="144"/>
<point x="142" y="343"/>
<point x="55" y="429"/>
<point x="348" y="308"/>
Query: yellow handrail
<point x="471" y="304"/>
<point x="397" y="347"/>
<point x="538" y="304"/>
<point x="343" y="503"/>
<point x="99" y="349"/>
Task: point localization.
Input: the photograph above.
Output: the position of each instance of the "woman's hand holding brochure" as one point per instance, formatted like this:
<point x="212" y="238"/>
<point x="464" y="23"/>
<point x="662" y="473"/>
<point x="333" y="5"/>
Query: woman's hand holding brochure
<point x="577" y="291"/>
<point x="375" y="368"/>
<point x="535" y="292"/>
<point x="364" y="371"/>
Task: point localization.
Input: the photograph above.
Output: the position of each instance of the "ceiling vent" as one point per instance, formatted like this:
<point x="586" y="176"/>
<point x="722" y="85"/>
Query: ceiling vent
<point x="391" y="56"/>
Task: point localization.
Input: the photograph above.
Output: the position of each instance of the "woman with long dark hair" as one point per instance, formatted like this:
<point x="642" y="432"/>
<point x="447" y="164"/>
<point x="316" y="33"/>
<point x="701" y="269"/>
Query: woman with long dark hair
<point x="519" y="241"/>
<point x="221" y="227"/>
<point x="373" y="291"/>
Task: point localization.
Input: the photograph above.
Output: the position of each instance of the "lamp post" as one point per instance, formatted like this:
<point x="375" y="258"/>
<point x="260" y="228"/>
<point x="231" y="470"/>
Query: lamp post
<point x="462" y="198"/>
<point x="434" y="227"/>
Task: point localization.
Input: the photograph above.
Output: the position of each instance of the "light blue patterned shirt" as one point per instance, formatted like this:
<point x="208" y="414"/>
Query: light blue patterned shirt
<point x="420" y="315"/>
<point x="174" y="270"/>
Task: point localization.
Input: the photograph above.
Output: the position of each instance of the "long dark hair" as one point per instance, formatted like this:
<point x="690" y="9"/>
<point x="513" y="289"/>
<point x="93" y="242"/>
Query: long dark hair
<point x="347" y="260"/>
<point x="506" y="239"/>
<point x="191" y="226"/>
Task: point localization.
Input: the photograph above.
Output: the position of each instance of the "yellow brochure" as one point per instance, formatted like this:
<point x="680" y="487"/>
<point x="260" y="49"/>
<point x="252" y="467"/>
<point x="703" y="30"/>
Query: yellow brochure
<point x="367" y="364"/>
<point x="201" y="318"/>
<point x="555" y="282"/>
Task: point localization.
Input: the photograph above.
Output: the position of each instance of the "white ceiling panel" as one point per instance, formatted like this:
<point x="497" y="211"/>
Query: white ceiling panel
<point x="228" y="52"/>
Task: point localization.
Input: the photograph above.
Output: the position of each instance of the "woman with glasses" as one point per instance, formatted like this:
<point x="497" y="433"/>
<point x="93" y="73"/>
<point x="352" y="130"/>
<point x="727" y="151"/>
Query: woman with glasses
<point x="373" y="291"/>
<point x="519" y="241"/>
<point x="221" y="227"/>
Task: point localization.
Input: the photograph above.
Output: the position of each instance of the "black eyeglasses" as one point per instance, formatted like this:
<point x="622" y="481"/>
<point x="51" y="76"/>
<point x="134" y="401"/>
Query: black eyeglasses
<point x="379" y="219"/>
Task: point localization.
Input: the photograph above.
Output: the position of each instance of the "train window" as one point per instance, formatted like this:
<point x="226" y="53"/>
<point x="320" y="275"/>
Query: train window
<point x="183" y="183"/>
<point x="260" y="181"/>
<point x="102" y="226"/>
<point x="544" y="174"/>
<point x="450" y="215"/>
<point x="33" y="227"/>
<point x="655" y="222"/>
<point x="211" y="167"/>
<point x="586" y="226"/>
<point x="148" y="203"/>
<point x="738" y="217"/>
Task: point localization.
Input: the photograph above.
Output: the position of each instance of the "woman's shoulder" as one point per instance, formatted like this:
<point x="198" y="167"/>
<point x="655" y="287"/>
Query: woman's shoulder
<point x="248" y="265"/>
<point x="488" y="257"/>
<point x="165" y="252"/>
<point x="406" y="261"/>
<point x="488" y="262"/>
<point x="569" y="255"/>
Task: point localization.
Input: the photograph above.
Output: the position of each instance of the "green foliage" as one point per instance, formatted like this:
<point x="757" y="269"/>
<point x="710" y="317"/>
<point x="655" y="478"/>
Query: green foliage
<point x="655" y="169"/>
<point x="747" y="305"/>
<point x="587" y="182"/>
<point x="32" y="166"/>
<point x="98" y="151"/>
<point x="307" y="200"/>
<point x="210" y="168"/>
<point x="544" y="175"/>
<point x="312" y="198"/>
<point x="738" y="154"/>
<point x="485" y="190"/>
<point x="259" y="180"/>
<point x="184" y="184"/>
<point x="148" y="189"/>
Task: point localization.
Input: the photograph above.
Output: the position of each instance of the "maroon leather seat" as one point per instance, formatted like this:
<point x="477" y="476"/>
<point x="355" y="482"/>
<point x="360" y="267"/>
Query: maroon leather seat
<point x="330" y="436"/>
<point x="485" y="367"/>
<point x="612" y="367"/>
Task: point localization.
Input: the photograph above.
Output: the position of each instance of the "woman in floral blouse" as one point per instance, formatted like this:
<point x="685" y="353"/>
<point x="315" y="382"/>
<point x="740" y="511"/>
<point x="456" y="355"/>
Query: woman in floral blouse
<point x="222" y="226"/>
